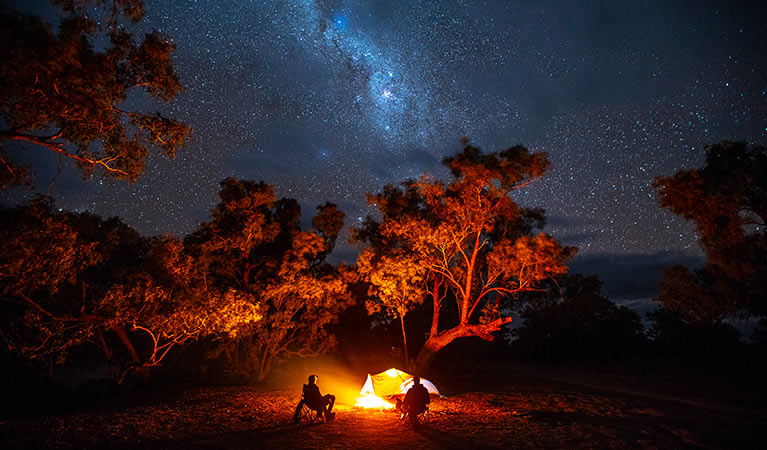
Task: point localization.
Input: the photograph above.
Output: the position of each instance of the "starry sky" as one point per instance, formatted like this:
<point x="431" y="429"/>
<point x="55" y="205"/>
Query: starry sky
<point x="328" y="100"/>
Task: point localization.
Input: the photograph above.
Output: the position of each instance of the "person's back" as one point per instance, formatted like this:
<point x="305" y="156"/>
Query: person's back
<point x="312" y="396"/>
<point x="315" y="400"/>
<point x="417" y="398"/>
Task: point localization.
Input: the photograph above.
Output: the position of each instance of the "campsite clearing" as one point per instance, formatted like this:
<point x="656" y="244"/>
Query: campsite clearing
<point x="531" y="408"/>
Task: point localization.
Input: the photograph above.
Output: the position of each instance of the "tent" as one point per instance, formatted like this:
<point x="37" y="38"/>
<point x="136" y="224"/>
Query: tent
<point x="393" y="382"/>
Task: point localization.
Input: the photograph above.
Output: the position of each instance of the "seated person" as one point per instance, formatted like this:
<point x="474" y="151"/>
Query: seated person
<point x="416" y="401"/>
<point x="316" y="401"/>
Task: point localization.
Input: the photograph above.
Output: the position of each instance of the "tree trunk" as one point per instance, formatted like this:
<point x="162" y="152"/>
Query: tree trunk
<point x="265" y="365"/>
<point x="436" y="302"/>
<point x="123" y="336"/>
<point x="436" y="343"/>
<point x="404" y="342"/>
<point x="136" y="368"/>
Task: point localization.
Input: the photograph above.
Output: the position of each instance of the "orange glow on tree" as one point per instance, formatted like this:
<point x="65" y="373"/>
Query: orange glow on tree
<point x="467" y="240"/>
<point x="254" y="245"/>
<point x="72" y="99"/>
<point x="86" y="294"/>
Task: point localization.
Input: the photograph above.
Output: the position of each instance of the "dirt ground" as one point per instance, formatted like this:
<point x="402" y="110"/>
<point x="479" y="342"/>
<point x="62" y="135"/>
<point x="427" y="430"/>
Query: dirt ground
<point x="506" y="407"/>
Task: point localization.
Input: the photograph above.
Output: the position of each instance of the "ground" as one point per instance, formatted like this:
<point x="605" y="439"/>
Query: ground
<point x="510" y="406"/>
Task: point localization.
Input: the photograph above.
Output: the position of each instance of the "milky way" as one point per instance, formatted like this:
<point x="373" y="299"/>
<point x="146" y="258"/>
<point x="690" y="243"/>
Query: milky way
<point x="329" y="100"/>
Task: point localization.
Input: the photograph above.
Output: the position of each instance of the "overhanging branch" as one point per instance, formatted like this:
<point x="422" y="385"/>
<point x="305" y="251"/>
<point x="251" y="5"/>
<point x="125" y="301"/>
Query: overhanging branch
<point x="104" y="163"/>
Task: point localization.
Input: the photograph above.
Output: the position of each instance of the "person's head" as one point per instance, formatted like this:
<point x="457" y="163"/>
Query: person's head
<point x="312" y="379"/>
<point x="416" y="380"/>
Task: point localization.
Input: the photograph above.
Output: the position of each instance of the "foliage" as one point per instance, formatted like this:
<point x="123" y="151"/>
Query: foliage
<point x="250" y="282"/>
<point x="571" y="320"/>
<point x="65" y="88"/>
<point x="701" y="343"/>
<point x="74" y="281"/>
<point x="727" y="201"/>
<point x="254" y="245"/>
<point x="468" y="240"/>
<point x="168" y="303"/>
<point x="397" y="285"/>
<point x="40" y="251"/>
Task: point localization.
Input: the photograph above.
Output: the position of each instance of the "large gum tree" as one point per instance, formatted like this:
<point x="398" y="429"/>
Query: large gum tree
<point x="67" y="88"/>
<point x="465" y="241"/>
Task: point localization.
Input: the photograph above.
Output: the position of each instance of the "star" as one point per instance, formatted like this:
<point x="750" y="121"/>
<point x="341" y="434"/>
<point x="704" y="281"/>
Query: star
<point x="375" y="95"/>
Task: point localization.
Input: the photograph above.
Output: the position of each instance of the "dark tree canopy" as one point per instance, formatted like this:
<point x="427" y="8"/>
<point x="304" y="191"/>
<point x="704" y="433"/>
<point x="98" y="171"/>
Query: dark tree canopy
<point x="249" y="284"/>
<point x="65" y="86"/>
<point x="678" y="339"/>
<point x="727" y="201"/>
<point x="571" y="320"/>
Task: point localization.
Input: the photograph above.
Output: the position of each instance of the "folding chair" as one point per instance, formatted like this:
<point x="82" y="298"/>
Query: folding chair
<point x="423" y="417"/>
<point x="420" y="419"/>
<point x="305" y="413"/>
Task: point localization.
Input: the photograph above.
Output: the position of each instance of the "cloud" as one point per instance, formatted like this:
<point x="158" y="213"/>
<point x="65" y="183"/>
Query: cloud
<point x="422" y="160"/>
<point x="631" y="277"/>
<point x="560" y="221"/>
<point x="569" y="230"/>
<point x="579" y="240"/>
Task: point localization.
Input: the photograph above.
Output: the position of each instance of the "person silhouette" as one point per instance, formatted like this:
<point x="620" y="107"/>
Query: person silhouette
<point x="316" y="401"/>
<point x="416" y="401"/>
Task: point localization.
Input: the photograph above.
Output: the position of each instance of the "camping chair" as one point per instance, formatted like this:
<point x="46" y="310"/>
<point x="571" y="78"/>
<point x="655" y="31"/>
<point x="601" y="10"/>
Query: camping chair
<point x="420" y="419"/>
<point x="306" y="413"/>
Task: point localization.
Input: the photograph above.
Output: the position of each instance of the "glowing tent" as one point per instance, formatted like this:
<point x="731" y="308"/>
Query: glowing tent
<point x="391" y="383"/>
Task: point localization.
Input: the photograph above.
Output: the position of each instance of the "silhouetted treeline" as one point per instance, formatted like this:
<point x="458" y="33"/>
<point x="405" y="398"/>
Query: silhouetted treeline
<point x="570" y="320"/>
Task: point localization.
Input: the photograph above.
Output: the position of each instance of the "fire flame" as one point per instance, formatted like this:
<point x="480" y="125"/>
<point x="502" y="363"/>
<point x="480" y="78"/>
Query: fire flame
<point x="367" y="400"/>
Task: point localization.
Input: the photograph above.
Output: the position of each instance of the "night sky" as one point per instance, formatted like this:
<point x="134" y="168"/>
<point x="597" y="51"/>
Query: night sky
<point x="328" y="100"/>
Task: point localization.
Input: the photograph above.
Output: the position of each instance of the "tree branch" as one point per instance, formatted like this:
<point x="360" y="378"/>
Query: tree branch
<point x="104" y="163"/>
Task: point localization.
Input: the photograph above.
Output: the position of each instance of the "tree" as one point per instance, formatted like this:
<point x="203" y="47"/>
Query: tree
<point x="64" y="89"/>
<point x="571" y="320"/>
<point x="467" y="239"/>
<point x="166" y="302"/>
<point x="77" y="282"/>
<point x="727" y="201"/>
<point x="679" y="339"/>
<point x="397" y="285"/>
<point x="43" y="258"/>
<point x="254" y="244"/>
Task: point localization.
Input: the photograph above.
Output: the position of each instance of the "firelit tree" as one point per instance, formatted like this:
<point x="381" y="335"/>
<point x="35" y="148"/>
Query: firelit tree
<point x="466" y="241"/>
<point x="166" y="303"/>
<point x="254" y="244"/>
<point x="74" y="281"/>
<point x="727" y="201"/>
<point x="64" y="89"/>
<point x="397" y="285"/>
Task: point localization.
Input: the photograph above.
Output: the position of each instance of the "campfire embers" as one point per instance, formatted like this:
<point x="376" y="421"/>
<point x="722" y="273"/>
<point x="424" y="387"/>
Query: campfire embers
<point x="388" y="384"/>
<point x="369" y="399"/>
<point x="372" y="401"/>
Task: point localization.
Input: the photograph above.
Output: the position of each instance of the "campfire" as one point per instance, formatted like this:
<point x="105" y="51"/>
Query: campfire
<point x="372" y="401"/>
<point x="386" y="385"/>
<point x="368" y="397"/>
